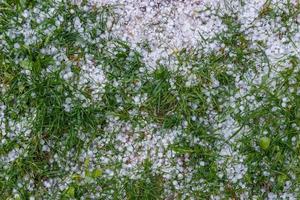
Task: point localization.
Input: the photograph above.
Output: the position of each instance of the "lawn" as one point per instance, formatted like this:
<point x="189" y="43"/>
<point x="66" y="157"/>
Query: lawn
<point x="145" y="100"/>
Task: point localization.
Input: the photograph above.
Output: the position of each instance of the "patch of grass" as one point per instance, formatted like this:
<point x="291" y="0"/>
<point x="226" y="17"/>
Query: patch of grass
<point x="148" y="187"/>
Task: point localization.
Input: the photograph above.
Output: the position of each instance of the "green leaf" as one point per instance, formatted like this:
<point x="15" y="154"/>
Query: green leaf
<point x="281" y="179"/>
<point x="264" y="143"/>
<point x="26" y="64"/>
<point x="70" y="191"/>
<point x="96" y="173"/>
<point x="8" y="77"/>
<point x="87" y="162"/>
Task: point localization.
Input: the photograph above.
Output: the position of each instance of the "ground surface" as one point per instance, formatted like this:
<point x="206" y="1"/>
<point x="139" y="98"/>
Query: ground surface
<point x="107" y="99"/>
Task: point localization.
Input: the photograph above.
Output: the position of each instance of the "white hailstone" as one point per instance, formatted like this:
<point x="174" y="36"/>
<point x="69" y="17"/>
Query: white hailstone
<point x="45" y="148"/>
<point x="47" y="184"/>
<point x="272" y="196"/>
<point x="265" y="173"/>
<point x="67" y="107"/>
<point x="68" y="75"/>
<point x="184" y="124"/>
<point x="17" y="46"/>
<point x="180" y="176"/>
<point x="90" y="153"/>
<point x="109" y="172"/>
<point x="285" y="99"/>
<point x="175" y="183"/>
<point x="160" y="155"/>
<point x="151" y="3"/>
<point x="137" y="100"/>
<point x="242" y="108"/>
<point x="77" y="23"/>
<point x="25" y="13"/>
<point x="202" y="163"/>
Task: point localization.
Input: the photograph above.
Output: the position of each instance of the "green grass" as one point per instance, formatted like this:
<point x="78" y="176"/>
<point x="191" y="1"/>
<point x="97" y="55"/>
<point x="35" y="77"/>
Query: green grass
<point x="35" y="114"/>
